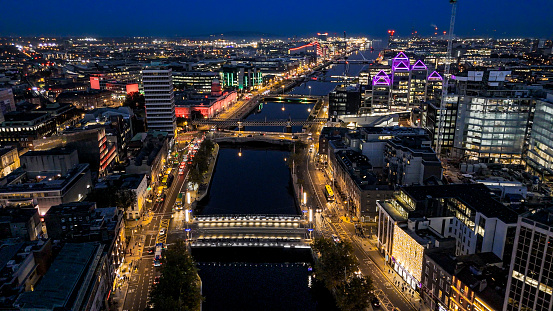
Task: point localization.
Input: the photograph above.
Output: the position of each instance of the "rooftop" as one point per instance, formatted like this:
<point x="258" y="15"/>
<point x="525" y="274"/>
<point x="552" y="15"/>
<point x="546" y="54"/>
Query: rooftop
<point x="62" y="279"/>
<point x="477" y="196"/>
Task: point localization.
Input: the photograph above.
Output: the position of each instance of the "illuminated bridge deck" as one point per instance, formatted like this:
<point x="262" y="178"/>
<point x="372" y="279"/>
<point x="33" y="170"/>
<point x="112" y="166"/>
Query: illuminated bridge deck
<point x="250" y="231"/>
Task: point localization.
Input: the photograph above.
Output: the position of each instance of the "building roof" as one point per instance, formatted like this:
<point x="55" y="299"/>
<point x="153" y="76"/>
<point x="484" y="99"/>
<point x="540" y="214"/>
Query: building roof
<point x="62" y="279"/>
<point x="53" y="151"/>
<point x="71" y="207"/>
<point x="477" y="196"/>
<point x="543" y="216"/>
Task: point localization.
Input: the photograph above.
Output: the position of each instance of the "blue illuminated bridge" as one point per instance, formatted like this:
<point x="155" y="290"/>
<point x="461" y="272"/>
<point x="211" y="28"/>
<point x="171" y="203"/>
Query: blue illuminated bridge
<point x="284" y="231"/>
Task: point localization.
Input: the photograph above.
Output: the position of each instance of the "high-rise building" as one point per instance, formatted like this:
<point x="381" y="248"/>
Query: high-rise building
<point x="400" y="81"/>
<point x="344" y="100"/>
<point x="492" y="129"/>
<point x="381" y="84"/>
<point x="540" y="151"/>
<point x="530" y="284"/>
<point x="160" y="103"/>
<point x="418" y="83"/>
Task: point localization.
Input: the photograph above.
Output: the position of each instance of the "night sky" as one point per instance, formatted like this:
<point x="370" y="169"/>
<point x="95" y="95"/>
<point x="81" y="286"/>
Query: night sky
<point x="505" y="18"/>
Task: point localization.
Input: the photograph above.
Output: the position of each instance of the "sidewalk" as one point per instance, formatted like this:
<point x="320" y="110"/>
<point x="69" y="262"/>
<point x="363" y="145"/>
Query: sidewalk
<point x="370" y="246"/>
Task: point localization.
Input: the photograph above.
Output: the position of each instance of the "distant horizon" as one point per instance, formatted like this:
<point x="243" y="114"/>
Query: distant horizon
<point x="288" y="18"/>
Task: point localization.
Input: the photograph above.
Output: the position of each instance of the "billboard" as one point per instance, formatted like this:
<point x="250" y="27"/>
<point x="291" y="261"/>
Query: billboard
<point x="95" y="83"/>
<point x="132" y="88"/>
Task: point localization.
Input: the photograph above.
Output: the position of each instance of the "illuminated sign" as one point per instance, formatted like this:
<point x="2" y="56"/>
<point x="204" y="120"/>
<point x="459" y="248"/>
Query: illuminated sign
<point x="381" y="78"/>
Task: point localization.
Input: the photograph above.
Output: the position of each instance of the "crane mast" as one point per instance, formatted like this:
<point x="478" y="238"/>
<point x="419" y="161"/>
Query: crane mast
<point x="446" y="78"/>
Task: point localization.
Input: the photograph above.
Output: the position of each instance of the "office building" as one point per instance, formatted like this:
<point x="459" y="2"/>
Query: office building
<point x="400" y="82"/>
<point x="200" y="81"/>
<point x="20" y="129"/>
<point x="530" y="284"/>
<point x="46" y="189"/>
<point x="430" y="120"/>
<point x="241" y="76"/>
<point x="418" y="83"/>
<point x="344" y="100"/>
<point x="353" y="174"/>
<point x="540" y="151"/>
<point x="381" y="89"/>
<point x="91" y="144"/>
<point x="492" y="129"/>
<point x="466" y="212"/>
<point x="410" y="161"/>
<point x="160" y="103"/>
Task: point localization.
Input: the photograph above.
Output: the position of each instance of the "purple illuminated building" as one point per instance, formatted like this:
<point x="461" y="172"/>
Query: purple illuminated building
<point x="417" y="83"/>
<point x="381" y="78"/>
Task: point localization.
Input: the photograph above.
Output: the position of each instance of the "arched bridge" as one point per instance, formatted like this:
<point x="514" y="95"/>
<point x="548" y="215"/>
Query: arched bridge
<point x="250" y="231"/>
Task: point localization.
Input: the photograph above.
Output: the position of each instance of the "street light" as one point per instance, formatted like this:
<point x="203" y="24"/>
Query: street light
<point x="305" y="198"/>
<point x="188" y="197"/>
<point x="309" y="90"/>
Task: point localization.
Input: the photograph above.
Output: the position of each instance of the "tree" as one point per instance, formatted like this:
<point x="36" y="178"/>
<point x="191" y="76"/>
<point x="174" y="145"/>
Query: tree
<point x="179" y="283"/>
<point x="352" y="295"/>
<point x="337" y="268"/>
<point x="135" y="100"/>
<point x="336" y="262"/>
<point x="200" y="163"/>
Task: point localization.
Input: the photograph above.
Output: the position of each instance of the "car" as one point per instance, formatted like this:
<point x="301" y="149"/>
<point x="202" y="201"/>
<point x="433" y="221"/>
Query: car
<point x="162" y="231"/>
<point x="295" y="137"/>
<point x="151" y="250"/>
<point x="156" y="280"/>
<point x="250" y="135"/>
<point x="375" y="303"/>
<point x="335" y="238"/>
<point x="309" y="138"/>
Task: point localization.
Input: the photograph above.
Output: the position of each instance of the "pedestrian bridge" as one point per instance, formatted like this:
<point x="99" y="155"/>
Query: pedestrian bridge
<point x="241" y="122"/>
<point x="288" y="231"/>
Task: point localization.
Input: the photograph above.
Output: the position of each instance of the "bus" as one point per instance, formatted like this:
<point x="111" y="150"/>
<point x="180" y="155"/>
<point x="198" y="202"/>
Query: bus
<point x="329" y="194"/>
<point x="178" y="202"/>
<point x="157" y="258"/>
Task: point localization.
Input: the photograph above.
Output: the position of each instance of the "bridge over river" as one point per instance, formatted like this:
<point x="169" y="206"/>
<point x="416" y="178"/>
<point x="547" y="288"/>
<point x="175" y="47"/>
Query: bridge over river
<point x="288" y="231"/>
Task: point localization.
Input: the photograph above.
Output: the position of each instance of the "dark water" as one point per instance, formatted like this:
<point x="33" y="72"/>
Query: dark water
<point x="266" y="286"/>
<point x="258" y="182"/>
<point x="260" y="279"/>
<point x="273" y="111"/>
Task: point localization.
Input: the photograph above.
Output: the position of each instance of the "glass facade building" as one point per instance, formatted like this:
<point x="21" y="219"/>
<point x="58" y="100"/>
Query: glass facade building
<point x="492" y="130"/>
<point x="540" y="151"/>
<point x="530" y="284"/>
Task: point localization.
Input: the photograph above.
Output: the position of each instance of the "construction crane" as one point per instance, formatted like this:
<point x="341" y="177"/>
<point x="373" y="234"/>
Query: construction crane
<point x="446" y="77"/>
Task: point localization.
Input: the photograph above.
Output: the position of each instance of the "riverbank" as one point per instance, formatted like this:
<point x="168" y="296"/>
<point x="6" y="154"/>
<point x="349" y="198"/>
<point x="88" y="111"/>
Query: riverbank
<point x="203" y="189"/>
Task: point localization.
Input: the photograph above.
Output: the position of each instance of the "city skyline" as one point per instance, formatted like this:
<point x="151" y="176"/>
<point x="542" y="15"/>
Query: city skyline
<point x="287" y="19"/>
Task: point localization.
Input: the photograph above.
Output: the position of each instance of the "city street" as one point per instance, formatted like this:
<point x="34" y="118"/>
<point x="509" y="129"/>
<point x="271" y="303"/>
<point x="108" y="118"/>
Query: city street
<point x="141" y="279"/>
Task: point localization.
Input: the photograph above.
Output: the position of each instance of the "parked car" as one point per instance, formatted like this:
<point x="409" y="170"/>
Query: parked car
<point x="163" y="231"/>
